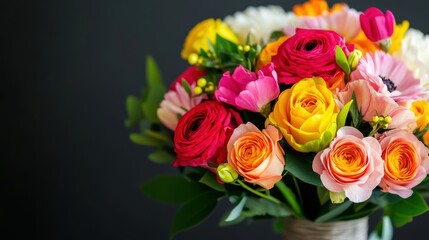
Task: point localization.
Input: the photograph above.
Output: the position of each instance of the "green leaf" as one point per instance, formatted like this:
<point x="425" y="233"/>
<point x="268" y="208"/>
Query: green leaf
<point x="153" y="74"/>
<point x="342" y="115"/>
<point x="264" y="207"/>
<point x="143" y="139"/>
<point x="300" y="165"/>
<point x="161" y="156"/>
<point x="154" y="92"/>
<point x="210" y="180"/>
<point x="403" y="211"/>
<point x="172" y="189"/>
<point x="194" y="212"/>
<point x="355" y="113"/>
<point x="134" y="111"/>
<point x="151" y="103"/>
<point x="160" y="136"/>
<point x="323" y="195"/>
<point x="236" y="211"/>
<point x="224" y="45"/>
<point x="187" y="88"/>
<point x="334" y="211"/>
<point x="290" y="198"/>
<point x="341" y="59"/>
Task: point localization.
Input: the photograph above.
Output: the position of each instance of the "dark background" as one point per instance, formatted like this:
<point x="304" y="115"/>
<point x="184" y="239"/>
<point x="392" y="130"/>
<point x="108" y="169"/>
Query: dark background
<point x="68" y="169"/>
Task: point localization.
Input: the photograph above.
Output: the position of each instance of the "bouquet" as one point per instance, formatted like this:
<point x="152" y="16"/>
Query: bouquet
<point x="320" y="113"/>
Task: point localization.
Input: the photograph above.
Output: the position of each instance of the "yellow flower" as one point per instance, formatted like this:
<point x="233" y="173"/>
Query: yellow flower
<point x="420" y="109"/>
<point x="315" y="8"/>
<point x="398" y="35"/>
<point x="268" y="51"/>
<point x="306" y="115"/>
<point x="203" y="32"/>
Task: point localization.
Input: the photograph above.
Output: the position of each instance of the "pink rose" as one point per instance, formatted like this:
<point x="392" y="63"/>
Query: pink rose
<point x="351" y="164"/>
<point x="202" y="134"/>
<point x="309" y="53"/>
<point x="247" y="90"/>
<point x="406" y="162"/>
<point x="257" y="155"/>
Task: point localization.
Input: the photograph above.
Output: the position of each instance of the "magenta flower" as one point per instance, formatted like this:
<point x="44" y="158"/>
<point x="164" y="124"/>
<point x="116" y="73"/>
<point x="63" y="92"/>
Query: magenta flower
<point x="247" y="90"/>
<point x="388" y="76"/>
<point x="376" y="25"/>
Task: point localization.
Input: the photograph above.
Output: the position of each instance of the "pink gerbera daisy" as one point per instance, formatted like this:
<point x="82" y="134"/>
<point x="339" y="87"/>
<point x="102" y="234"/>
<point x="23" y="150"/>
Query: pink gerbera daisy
<point x="389" y="76"/>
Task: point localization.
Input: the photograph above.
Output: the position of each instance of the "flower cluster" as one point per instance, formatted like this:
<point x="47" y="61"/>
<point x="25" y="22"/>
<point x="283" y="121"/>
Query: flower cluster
<point x="321" y="106"/>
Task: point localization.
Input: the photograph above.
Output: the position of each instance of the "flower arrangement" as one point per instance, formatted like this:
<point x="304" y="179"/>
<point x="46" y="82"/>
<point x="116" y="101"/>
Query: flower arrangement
<point x="320" y="113"/>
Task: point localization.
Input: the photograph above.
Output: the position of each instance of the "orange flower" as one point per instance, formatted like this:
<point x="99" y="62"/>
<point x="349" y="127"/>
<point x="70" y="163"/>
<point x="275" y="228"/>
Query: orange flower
<point x="315" y="8"/>
<point x="336" y="82"/>
<point x="257" y="155"/>
<point x="268" y="51"/>
<point x="406" y="162"/>
<point x="363" y="44"/>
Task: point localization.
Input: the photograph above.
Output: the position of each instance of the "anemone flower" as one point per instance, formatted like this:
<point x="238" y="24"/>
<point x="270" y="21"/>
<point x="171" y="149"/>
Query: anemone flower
<point x="389" y="76"/>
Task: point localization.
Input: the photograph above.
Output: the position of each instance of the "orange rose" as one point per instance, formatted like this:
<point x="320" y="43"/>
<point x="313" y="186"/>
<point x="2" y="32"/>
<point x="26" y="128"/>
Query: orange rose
<point x="256" y="155"/>
<point x="268" y="51"/>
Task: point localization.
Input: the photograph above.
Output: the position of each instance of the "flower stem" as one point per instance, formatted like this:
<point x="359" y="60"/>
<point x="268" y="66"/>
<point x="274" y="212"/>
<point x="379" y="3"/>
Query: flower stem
<point x="297" y="190"/>
<point x="290" y="198"/>
<point x="268" y="197"/>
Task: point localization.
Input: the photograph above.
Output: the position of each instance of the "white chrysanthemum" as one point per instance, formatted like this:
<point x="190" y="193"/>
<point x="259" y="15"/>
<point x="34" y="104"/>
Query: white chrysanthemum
<point x="259" y="22"/>
<point x="415" y="53"/>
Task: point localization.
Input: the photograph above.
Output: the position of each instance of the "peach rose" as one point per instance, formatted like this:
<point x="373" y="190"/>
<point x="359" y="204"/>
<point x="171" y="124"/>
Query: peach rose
<point x="406" y="162"/>
<point x="256" y="155"/>
<point x="351" y="164"/>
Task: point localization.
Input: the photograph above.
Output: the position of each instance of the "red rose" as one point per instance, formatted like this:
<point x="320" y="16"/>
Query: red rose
<point x="190" y="75"/>
<point x="309" y="53"/>
<point x="202" y="133"/>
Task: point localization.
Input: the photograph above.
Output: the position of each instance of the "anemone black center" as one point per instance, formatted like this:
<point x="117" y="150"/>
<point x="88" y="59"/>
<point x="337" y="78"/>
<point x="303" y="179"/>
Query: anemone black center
<point x="389" y="84"/>
<point x="310" y="45"/>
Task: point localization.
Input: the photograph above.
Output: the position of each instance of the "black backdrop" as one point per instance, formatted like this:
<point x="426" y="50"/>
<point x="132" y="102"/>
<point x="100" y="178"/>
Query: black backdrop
<point x="68" y="170"/>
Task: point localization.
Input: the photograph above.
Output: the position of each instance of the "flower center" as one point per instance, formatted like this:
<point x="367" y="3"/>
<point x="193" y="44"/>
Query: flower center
<point x="389" y="84"/>
<point x="310" y="45"/>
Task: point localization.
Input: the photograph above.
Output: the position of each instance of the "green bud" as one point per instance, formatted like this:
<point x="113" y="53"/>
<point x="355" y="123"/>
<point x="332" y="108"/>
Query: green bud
<point x="226" y="173"/>
<point x="354" y="58"/>
<point x="337" y="197"/>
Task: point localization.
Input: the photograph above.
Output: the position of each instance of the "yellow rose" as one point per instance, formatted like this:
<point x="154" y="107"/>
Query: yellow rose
<point x="204" y="31"/>
<point x="420" y="109"/>
<point x="306" y="114"/>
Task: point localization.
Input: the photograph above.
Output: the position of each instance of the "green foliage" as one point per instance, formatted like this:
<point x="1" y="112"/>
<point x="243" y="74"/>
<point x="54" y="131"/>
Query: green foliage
<point x="194" y="211"/>
<point x="300" y="165"/>
<point x="332" y="211"/>
<point x="403" y="211"/>
<point x="171" y="188"/>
